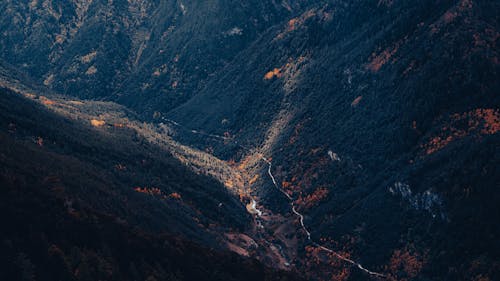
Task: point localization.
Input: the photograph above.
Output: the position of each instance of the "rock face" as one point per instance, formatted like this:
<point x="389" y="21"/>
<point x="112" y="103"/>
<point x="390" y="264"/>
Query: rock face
<point x="381" y="118"/>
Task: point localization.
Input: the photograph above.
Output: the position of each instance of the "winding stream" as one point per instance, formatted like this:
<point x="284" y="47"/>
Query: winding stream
<point x="253" y="205"/>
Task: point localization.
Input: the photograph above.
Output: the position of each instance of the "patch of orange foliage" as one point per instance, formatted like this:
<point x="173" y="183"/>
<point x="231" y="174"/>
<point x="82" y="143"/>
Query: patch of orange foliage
<point x="97" y="123"/>
<point x="305" y="174"/>
<point x="328" y="266"/>
<point x="491" y="120"/>
<point x="273" y="73"/>
<point x="312" y="199"/>
<point x="46" y="101"/>
<point x="254" y="179"/>
<point x="292" y="24"/>
<point x="377" y="61"/>
<point x="288" y="70"/>
<point x="149" y="191"/>
<point x="229" y="183"/>
<point x="297" y="22"/>
<point x="479" y="121"/>
<point x="30" y="96"/>
<point x="356" y="101"/>
<point x="450" y="15"/>
<point x="405" y="264"/>
<point x="438" y="143"/>
<point x="244" y="163"/>
<point x="175" y="195"/>
<point x="286" y="184"/>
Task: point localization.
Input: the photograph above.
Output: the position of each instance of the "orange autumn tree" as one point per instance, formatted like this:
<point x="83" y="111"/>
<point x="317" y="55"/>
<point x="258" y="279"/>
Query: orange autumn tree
<point x="312" y="199"/>
<point x="175" y="195"/>
<point x="406" y="263"/>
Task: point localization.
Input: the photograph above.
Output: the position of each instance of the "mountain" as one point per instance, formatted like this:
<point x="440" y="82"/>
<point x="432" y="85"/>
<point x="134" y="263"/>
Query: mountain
<point x="382" y="122"/>
<point x="339" y="140"/>
<point x="79" y="203"/>
<point x="150" y="55"/>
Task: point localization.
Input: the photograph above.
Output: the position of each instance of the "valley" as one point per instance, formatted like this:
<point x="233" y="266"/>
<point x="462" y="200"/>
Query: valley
<point x="266" y="226"/>
<point x="322" y="140"/>
<point x="251" y="207"/>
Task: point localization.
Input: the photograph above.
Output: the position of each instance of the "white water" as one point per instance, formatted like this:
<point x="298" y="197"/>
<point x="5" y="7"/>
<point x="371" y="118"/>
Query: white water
<point x="253" y="207"/>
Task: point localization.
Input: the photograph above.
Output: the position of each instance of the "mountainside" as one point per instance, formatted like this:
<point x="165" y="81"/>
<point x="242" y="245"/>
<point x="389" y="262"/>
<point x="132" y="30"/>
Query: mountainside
<point x="382" y="121"/>
<point x="83" y="203"/>
<point x="337" y="140"/>
<point x="150" y="55"/>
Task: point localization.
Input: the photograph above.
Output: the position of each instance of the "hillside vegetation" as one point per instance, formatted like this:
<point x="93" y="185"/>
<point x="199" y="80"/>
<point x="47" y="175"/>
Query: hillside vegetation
<point x="275" y="129"/>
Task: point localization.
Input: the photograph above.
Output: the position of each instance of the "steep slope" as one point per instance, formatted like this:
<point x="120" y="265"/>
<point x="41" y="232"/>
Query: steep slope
<point x="364" y="133"/>
<point x="115" y="171"/>
<point x="151" y="55"/>
<point x="382" y="119"/>
<point x="82" y="203"/>
<point x="42" y="241"/>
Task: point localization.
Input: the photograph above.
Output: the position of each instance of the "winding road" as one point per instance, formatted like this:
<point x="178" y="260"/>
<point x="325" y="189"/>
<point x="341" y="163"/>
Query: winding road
<point x="290" y="199"/>
<point x="301" y="218"/>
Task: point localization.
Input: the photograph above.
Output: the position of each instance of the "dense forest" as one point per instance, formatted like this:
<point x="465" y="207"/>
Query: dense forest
<point x="328" y="139"/>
